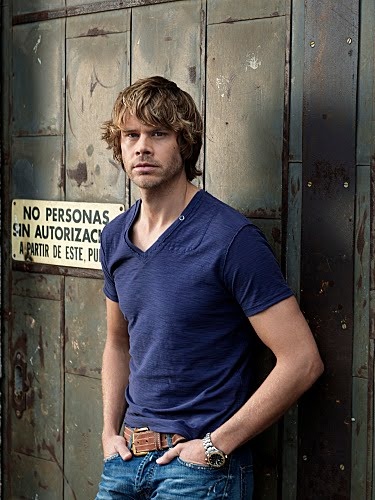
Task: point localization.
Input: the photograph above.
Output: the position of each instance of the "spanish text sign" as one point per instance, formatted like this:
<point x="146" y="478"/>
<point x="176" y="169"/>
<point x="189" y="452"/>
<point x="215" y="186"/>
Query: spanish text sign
<point x="60" y="233"/>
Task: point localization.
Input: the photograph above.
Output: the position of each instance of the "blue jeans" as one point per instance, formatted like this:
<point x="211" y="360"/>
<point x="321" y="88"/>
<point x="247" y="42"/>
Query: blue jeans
<point x="141" y="478"/>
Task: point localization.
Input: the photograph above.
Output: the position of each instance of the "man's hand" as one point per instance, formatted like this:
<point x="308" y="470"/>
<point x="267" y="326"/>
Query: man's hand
<point x="116" y="444"/>
<point x="191" y="451"/>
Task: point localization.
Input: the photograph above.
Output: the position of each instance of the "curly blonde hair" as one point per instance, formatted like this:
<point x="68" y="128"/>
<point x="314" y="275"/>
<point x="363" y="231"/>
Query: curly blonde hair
<point x="157" y="101"/>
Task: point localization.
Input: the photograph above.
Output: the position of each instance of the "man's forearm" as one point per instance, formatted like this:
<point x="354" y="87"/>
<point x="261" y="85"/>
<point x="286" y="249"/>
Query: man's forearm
<point x="281" y="389"/>
<point x="115" y="374"/>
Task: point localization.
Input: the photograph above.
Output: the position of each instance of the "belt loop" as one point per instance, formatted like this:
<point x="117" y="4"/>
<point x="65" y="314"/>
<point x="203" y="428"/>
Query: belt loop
<point x="169" y="440"/>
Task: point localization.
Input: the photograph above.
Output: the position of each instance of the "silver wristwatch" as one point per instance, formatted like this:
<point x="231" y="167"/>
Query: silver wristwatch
<point x="214" y="457"/>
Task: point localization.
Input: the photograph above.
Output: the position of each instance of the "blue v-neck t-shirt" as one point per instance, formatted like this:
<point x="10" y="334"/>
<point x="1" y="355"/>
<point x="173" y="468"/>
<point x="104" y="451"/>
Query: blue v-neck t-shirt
<point x="187" y="300"/>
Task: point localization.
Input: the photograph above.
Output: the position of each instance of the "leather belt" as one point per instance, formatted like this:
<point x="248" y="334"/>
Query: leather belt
<point x="142" y="440"/>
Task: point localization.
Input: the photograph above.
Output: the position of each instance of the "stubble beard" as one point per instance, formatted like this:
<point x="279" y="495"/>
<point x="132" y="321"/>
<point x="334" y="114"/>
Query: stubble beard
<point x="163" y="176"/>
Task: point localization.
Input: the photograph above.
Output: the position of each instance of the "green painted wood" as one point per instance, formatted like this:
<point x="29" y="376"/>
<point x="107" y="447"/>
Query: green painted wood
<point x="245" y="109"/>
<point x="97" y="70"/>
<point x="222" y="11"/>
<point x="85" y="326"/>
<point x="36" y="342"/>
<point x="83" y="427"/>
<point x="37" y="168"/>
<point x="359" y="423"/>
<point x="366" y="84"/>
<point x="42" y="286"/>
<point x="293" y="270"/>
<point x="38" y="57"/>
<point x="362" y="273"/>
<point x="25" y="6"/>
<point x="160" y="46"/>
<point x="33" y="478"/>
<point x="98" y="24"/>
<point x="296" y="80"/>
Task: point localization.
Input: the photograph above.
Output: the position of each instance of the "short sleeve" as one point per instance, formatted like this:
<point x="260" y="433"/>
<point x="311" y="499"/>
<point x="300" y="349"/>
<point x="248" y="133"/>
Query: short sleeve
<point x="109" y="288"/>
<point x="252" y="273"/>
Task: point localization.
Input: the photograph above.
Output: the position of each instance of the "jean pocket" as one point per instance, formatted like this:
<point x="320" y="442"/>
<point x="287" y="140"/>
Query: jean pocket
<point x="195" y="466"/>
<point x="111" y="457"/>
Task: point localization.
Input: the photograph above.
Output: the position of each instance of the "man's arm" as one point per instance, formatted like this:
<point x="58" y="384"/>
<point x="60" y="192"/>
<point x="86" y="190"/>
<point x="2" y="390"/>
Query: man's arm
<point x="285" y="331"/>
<point x="115" y="375"/>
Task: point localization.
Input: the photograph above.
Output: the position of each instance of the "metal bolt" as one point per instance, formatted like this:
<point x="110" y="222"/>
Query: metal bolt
<point x="312" y="44"/>
<point x="304" y="458"/>
<point x="342" y="466"/>
<point x="346" y="184"/>
<point x="343" y="326"/>
<point x="18" y="355"/>
<point x="353" y="419"/>
<point x="309" y="184"/>
<point x="349" y="40"/>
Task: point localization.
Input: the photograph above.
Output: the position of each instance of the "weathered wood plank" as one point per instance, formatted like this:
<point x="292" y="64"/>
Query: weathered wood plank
<point x="222" y="11"/>
<point x="245" y="108"/>
<point x="97" y="70"/>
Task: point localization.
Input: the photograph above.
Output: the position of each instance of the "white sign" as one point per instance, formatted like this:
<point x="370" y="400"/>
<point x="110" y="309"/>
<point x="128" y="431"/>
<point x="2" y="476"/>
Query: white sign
<point x="60" y="233"/>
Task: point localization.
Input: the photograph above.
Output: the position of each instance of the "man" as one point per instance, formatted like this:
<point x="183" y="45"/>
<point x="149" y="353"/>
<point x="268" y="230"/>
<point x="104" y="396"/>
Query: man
<point x="189" y="284"/>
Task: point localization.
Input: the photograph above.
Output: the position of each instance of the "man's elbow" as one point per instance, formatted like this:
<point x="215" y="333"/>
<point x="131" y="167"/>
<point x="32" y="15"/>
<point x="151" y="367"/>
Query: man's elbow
<point x="315" y="368"/>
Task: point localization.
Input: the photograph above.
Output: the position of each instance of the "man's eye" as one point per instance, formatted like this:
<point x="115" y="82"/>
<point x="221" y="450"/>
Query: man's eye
<point x="158" y="133"/>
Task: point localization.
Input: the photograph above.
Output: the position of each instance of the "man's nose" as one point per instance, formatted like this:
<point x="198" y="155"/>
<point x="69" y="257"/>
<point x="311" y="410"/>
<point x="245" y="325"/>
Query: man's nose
<point x="144" y="145"/>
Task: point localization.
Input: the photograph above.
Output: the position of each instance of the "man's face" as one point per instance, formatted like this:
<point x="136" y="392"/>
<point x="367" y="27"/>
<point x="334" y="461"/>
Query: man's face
<point x="151" y="155"/>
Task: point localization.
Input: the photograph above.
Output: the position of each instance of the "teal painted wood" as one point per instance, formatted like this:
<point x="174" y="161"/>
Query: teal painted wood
<point x="42" y="286"/>
<point x="161" y="47"/>
<point x="296" y="80"/>
<point x="245" y="114"/>
<point x="25" y="6"/>
<point x="83" y="456"/>
<point x="366" y="85"/>
<point x="38" y="58"/>
<point x="98" y="68"/>
<point x="37" y="168"/>
<point x="222" y="11"/>
<point x="293" y="266"/>
<point x="85" y="326"/>
<point x="362" y="273"/>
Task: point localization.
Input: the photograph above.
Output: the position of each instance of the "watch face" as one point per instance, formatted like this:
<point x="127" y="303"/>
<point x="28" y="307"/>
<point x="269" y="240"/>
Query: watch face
<point x="216" y="459"/>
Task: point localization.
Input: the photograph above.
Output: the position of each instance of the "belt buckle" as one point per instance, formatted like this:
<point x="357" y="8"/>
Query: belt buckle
<point x="136" y="453"/>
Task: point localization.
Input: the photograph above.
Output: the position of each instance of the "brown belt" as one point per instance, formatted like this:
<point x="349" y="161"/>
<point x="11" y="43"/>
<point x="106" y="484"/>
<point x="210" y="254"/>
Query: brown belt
<point x="141" y="440"/>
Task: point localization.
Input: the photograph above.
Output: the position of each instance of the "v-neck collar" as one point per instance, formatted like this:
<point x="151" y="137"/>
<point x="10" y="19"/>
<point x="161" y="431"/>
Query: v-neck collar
<point x="187" y="212"/>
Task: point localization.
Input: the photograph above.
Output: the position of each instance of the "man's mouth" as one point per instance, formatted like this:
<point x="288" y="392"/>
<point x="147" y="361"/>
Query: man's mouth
<point x="144" y="167"/>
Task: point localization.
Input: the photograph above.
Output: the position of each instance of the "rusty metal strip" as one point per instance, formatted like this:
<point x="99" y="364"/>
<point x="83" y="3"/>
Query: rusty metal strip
<point x="330" y="89"/>
<point x="57" y="270"/>
<point x="90" y="8"/>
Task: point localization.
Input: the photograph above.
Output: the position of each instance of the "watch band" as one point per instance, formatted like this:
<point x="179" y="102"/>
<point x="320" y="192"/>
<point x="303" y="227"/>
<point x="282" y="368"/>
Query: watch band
<point x="214" y="457"/>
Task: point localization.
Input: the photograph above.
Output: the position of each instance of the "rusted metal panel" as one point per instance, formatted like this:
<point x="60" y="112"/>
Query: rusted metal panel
<point x="366" y="85"/>
<point x="37" y="168"/>
<point x="33" y="478"/>
<point x="83" y="426"/>
<point x="327" y="242"/>
<point x="34" y="369"/>
<point x="97" y="69"/>
<point x="38" y="55"/>
<point x="362" y="273"/>
<point x="245" y="108"/>
<point x="160" y="46"/>
<point x="24" y="6"/>
<point x="40" y="286"/>
<point x="222" y="11"/>
<point x="85" y="326"/>
<point x="272" y="230"/>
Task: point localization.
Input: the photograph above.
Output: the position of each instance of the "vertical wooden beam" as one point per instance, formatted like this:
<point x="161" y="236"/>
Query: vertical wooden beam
<point x="330" y="81"/>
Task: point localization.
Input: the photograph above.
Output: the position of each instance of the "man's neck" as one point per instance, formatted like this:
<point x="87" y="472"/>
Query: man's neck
<point x="160" y="207"/>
